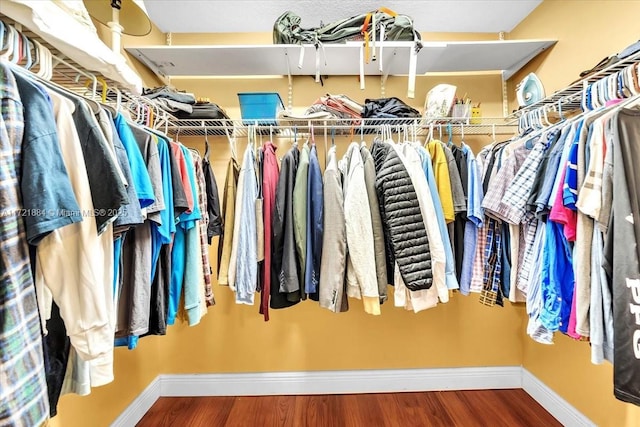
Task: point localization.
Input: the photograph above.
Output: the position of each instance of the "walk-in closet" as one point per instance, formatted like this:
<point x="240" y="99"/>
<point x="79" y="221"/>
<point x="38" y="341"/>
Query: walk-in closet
<point x="319" y="213"/>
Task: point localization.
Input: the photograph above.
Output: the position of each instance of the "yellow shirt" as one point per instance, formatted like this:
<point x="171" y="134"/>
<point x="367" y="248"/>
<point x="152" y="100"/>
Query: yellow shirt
<point x="443" y="180"/>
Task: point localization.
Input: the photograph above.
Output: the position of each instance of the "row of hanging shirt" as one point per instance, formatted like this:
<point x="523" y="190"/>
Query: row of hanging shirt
<point x="392" y="214"/>
<point x="561" y="209"/>
<point x="99" y="217"/>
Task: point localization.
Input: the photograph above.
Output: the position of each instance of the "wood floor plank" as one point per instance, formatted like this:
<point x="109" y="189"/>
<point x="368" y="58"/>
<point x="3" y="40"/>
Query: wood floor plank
<point x="524" y="409"/>
<point x="435" y="410"/>
<point x="245" y="412"/>
<point x="167" y="412"/>
<point x="361" y="410"/>
<point x="414" y="408"/>
<point x="208" y="411"/>
<point x="451" y="408"/>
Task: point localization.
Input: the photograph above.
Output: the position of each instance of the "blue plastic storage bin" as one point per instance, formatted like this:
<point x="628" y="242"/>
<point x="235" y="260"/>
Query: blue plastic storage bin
<point x="261" y="107"/>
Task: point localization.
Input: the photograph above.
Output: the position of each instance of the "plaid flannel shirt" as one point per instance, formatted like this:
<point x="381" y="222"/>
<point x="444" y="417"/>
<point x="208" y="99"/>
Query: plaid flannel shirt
<point x="23" y="388"/>
<point x="514" y="156"/>
<point x="517" y="194"/>
<point x="529" y="228"/>
<point x="203" y="224"/>
<point x="493" y="264"/>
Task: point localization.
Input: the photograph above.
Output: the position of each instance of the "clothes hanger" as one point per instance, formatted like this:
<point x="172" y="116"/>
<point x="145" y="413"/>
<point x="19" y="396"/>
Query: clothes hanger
<point x="560" y="111"/>
<point x="430" y="135"/>
<point x="206" y="141"/>
<point x="635" y="79"/>
<point x="9" y="43"/>
<point x="313" y="134"/>
<point x="26" y="50"/>
<point x="2" y="35"/>
<point x="16" y="50"/>
<point x="545" y="116"/>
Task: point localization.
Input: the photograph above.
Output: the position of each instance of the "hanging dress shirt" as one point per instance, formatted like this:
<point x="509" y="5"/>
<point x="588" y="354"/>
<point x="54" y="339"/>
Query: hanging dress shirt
<point x="228" y="212"/>
<point x="247" y="259"/>
<point x="270" y="171"/>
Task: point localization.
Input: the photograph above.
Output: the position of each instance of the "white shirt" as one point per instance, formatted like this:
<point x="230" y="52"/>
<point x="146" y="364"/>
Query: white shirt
<point x="75" y="265"/>
<point x="413" y="163"/>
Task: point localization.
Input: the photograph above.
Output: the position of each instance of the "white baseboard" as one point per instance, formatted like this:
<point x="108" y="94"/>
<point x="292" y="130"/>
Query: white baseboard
<point x="141" y="404"/>
<point x="561" y="410"/>
<point x="342" y="382"/>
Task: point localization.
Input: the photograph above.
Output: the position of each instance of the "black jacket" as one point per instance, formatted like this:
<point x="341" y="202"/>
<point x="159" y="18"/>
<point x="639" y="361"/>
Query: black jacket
<point x="284" y="259"/>
<point x="402" y="218"/>
<point x="213" y="201"/>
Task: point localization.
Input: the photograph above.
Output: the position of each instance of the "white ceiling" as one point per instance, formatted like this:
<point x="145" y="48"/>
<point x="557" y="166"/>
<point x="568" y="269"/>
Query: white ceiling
<point x="228" y="16"/>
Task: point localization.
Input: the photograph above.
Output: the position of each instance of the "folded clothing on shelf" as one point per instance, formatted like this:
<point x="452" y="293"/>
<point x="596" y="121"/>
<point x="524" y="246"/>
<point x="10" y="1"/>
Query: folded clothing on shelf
<point x="203" y="111"/>
<point x="339" y="107"/>
<point x="169" y="93"/>
<point x="388" y="108"/>
<point x="172" y="106"/>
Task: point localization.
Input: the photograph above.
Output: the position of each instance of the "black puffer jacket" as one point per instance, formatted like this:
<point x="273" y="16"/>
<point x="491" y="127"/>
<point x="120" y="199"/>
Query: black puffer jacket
<point x="402" y="218"/>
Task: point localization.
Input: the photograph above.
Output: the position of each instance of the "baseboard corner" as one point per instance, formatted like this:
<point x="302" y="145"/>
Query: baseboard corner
<point x="140" y="405"/>
<point x="557" y="406"/>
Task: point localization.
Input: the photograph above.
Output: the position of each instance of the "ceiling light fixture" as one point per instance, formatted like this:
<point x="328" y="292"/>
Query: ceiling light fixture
<point x="122" y="17"/>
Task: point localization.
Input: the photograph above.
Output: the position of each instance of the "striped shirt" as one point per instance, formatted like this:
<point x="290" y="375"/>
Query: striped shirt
<point x="203" y="225"/>
<point x="23" y="389"/>
<point x="570" y="186"/>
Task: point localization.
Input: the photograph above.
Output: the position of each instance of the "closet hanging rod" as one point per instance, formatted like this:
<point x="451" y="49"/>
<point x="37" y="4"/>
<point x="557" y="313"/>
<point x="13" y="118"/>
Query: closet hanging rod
<point x="196" y="128"/>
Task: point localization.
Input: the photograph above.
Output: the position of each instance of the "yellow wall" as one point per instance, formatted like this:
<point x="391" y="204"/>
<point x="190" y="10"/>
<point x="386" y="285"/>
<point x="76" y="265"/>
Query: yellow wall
<point x="587" y="31"/>
<point x="234" y="338"/>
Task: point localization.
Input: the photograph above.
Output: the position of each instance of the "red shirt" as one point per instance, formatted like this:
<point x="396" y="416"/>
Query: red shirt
<point x="270" y="174"/>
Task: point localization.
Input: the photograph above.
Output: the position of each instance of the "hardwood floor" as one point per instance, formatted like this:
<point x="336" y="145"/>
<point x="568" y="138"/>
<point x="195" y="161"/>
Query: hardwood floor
<point x="450" y="408"/>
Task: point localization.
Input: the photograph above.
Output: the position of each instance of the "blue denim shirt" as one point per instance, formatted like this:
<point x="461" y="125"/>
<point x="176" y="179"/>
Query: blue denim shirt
<point x="247" y="267"/>
<point x="450" y="263"/>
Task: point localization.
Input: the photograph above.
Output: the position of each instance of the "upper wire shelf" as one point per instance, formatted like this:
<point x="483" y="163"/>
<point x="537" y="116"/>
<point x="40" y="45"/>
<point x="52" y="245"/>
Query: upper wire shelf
<point x="69" y="75"/>
<point x="571" y="96"/>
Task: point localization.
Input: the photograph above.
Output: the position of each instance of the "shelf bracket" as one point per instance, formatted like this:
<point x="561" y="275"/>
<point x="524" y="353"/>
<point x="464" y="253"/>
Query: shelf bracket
<point x="290" y="80"/>
<point x="413" y="65"/>
<point x="505" y="96"/>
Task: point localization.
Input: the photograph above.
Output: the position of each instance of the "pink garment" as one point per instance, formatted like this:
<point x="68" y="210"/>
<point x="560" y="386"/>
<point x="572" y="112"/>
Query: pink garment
<point x="571" y="330"/>
<point x="563" y="215"/>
